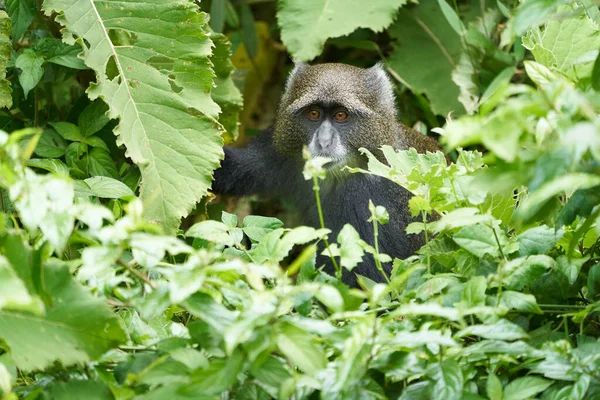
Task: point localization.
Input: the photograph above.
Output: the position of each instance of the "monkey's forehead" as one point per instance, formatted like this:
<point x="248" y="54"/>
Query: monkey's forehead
<point x="328" y="98"/>
<point x="330" y="88"/>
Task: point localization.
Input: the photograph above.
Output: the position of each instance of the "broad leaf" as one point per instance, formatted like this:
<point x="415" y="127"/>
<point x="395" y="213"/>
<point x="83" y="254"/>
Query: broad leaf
<point x="570" y="45"/>
<point x="30" y="65"/>
<point x="426" y="51"/>
<point x="307" y="24"/>
<point x="77" y="326"/>
<point x="21" y="14"/>
<point x="156" y="78"/>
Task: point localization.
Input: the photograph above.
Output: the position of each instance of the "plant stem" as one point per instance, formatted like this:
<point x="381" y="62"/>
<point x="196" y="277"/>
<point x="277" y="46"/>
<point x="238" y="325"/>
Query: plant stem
<point x="316" y="189"/>
<point x="424" y="214"/>
<point x="137" y="273"/>
<point x="376" y="243"/>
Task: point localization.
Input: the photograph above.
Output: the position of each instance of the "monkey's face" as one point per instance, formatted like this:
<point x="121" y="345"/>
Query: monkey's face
<point x="335" y="109"/>
<point x="327" y="129"/>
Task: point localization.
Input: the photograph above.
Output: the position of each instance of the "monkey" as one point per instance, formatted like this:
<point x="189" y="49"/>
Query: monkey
<point x="333" y="109"/>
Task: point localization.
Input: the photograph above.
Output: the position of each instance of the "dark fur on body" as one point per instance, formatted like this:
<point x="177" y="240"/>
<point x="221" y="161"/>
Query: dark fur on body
<point x="272" y="163"/>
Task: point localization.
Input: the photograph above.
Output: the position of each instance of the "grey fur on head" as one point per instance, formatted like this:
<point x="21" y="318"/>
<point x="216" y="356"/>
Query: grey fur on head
<point x="367" y="93"/>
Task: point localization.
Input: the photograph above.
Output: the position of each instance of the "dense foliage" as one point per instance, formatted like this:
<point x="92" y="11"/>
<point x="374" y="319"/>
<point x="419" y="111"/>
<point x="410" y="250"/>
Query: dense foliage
<point x="113" y="120"/>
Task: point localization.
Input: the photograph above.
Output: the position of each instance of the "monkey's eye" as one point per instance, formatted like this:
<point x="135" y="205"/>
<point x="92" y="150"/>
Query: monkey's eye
<point x="341" y="116"/>
<point x="314" y="114"/>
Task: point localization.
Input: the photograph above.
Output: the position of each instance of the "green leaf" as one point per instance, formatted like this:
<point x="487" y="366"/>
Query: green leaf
<point x="494" y="387"/>
<point x="451" y="17"/>
<point x="570" y="267"/>
<point x="57" y="52"/>
<point x="596" y="74"/>
<point x="525" y="388"/>
<point x="30" y="65"/>
<point x="474" y="292"/>
<point x="218" y="10"/>
<point x="80" y="389"/>
<point x="108" y="188"/>
<point x="501" y="330"/>
<point x="67" y="131"/>
<point x="461" y="217"/>
<point x="570" y="45"/>
<point x="538" y="240"/>
<point x="539" y="73"/>
<point x="501" y="80"/>
<point x="21" y="14"/>
<point x="5" y="53"/>
<point x="301" y="349"/>
<point x="13" y="292"/>
<point x="256" y="227"/>
<point x="159" y="89"/>
<point x="100" y="163"/>
<point x="351" y="250"/>
<point x="248" y="30"/>
<point x="52" y="165"/>
<point x="220" y="375"/>
<point x="77" y="327"/>
<point x="424" y="36"/>
<point x="226" y="93"/>
<point x="480" y="240"/>
<point x="566" y="183"/>
<point x="51" y="145"/>
<point x="593" y="282"/>
<point x="93" y="118"/>
<point x="448" y="380"/>
<point x="533" y="13"/>
<point x="212" y="231"/>
<point x="307" y="24"/>
<point x="520" y="302"/>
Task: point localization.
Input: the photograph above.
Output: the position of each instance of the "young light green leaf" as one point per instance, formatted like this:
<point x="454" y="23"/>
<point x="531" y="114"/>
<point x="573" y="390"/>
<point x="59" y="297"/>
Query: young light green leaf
<point x="212" y="231"/>
<point x="520" y="302"/>
<point x="501" y="330"/>
<point x="108" y="188"/>
<point x="572" y="43"/>
<point x="494" y="387"/>
<point x="481" y="239"/>
<point x="301" y="349"/>
<point x="525" y="388"/>
<point x="449" y="380"/>
<point x="159" y="88"/>
<point x="351" y="249"/>
<point x="30" y="65"/>
<point x="51" y="164"/>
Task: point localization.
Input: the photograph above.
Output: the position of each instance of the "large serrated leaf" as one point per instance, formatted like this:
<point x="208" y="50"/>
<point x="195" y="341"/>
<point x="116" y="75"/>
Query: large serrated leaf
<point x="307" y="24"/>
<point x="153" y="69"/>
<point x="569" y="45"/>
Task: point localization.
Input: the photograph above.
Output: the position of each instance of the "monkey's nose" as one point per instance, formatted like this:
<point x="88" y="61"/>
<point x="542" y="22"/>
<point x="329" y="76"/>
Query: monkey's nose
<point x="325" y="138"/>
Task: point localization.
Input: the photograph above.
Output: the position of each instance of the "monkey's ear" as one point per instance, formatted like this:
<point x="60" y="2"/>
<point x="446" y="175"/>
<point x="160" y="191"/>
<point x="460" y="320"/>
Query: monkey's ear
<point x="378" y="80"/>
<point x="299" y="68"/>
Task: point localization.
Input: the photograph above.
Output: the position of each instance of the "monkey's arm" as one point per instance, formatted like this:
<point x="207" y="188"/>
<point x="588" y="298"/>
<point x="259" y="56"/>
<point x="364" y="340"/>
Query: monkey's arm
<point x="255" y="169"/>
